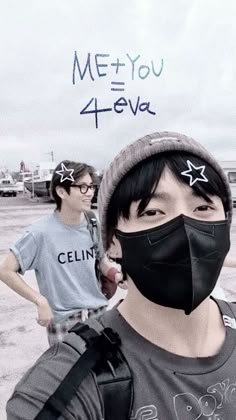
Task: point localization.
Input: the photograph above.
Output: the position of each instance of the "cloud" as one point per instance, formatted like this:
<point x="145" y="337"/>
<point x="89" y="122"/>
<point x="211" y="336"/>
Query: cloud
<point x="40" y="107"/>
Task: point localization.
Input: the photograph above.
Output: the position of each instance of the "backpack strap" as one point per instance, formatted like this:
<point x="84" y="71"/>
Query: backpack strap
<point x="103" y="357"/>
<point x="93" y="229"/>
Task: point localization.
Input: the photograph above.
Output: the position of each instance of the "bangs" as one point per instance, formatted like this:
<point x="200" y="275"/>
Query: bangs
<point x="140" y="183"/>
<point x="214" y="185"/>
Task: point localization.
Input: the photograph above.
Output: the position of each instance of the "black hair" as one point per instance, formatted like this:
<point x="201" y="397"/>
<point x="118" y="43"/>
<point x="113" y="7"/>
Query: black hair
<point x="79" y="170"/>
<point x="140" y="183"/>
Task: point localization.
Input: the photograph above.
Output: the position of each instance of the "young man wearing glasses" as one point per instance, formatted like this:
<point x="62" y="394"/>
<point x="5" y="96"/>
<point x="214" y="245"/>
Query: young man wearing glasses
<point x="62" y="251"/>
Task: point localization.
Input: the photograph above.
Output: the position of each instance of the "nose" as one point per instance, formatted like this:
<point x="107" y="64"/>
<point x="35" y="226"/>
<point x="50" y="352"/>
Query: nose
<point x="90" y="192"/>
<point x="179" y="208"/>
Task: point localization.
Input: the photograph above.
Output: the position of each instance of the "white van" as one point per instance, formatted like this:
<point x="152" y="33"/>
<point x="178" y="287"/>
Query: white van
<point x="229" y="167"/>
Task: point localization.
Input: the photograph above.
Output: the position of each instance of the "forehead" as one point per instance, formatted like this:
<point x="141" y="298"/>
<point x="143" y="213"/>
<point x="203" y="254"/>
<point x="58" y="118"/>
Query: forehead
<point x="168" y="192"/>
<point x="171" y="194"/>
<point x="168" y="184"/>
<point x="84" y="179"/>
<point x="171" y="190"/>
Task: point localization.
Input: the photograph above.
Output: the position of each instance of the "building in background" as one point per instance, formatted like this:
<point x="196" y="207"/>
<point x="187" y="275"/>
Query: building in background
<point x="229" y="167"/>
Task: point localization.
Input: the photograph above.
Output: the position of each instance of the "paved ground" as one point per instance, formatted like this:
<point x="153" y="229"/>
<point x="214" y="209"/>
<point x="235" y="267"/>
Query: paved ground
<point x="22" y="340"/>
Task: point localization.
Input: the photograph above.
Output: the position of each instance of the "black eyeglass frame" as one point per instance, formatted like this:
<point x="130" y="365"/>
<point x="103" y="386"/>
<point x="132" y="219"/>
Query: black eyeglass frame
<point x="84" y="187"/>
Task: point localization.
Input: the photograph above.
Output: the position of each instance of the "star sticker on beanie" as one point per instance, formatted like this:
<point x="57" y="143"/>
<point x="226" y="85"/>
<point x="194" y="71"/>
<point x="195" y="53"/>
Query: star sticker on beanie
<point x="65" y="173"/>
<point x="188" y="173"/>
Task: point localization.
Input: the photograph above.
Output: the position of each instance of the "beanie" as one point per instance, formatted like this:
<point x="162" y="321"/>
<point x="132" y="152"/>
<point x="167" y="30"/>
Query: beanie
<point x="142" y="149"/>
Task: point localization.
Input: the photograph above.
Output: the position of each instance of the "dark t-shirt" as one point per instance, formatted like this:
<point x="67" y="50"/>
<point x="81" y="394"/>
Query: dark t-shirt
<point x="166" y="386"/>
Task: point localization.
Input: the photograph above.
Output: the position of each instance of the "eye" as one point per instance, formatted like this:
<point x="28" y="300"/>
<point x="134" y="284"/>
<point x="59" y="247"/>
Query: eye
<point x="152" y="212"/>
<point x="204" y="207"/>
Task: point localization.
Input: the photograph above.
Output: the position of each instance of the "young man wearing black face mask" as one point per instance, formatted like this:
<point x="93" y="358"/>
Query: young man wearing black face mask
<point x="165" y="204"/>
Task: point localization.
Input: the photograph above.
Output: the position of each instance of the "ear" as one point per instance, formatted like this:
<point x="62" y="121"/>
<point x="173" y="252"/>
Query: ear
<point x="114" y="250"/>
<point x="61" y="192"/>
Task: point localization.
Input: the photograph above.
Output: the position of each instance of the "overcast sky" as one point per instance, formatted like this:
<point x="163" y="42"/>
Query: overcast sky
<point x="195" y="92"/>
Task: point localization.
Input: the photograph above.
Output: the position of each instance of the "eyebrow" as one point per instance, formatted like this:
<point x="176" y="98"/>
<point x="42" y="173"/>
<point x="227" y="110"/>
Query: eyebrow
<point x="164" y="196"/>
<point x="83" y="183"/>
<point x="161" y="195"/>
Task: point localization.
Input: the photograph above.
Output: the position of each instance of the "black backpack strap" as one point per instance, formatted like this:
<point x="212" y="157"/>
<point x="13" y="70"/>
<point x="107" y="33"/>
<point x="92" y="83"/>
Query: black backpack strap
<point x="116" y="387"/>
<point x="114" y="378"/>
<point x="93" y="229"/>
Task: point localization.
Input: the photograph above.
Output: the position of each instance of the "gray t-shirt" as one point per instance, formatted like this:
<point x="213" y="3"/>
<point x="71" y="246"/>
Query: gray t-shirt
<point x="166" y="386"/>
<point x="63" y="257"/>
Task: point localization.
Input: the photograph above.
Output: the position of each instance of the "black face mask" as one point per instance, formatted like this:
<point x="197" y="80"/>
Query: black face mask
<point x="176" y="264"/>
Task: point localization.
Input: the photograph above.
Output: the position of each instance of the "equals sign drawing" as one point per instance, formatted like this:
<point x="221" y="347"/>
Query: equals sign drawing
<point x="118" y="86"/>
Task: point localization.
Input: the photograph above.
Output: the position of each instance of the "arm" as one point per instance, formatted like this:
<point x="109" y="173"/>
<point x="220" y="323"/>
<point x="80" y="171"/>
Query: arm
<point x="230" y="262"/>
<point x="9" y="275"/>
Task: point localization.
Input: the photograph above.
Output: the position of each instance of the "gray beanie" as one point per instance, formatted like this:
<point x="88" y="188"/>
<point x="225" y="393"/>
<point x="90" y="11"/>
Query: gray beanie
<point x="141" y="149"/>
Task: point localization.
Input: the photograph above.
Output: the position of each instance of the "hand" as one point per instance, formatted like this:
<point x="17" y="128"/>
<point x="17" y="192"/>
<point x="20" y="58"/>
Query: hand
<point x="118" y="277"/>
<point x="45" y="314"/>
<point x="119" y="280"/>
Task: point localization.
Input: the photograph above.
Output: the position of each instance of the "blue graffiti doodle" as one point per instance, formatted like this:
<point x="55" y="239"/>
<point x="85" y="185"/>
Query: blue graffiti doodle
<point x="148" y="412"/>
<point x="94" y="67"/>
<point x="118" y="107"/>
<point x="99" y="66"/>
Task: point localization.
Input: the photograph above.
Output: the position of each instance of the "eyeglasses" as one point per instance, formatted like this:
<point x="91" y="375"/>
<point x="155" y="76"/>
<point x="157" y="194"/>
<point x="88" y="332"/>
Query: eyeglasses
<point x="84" y="187"/>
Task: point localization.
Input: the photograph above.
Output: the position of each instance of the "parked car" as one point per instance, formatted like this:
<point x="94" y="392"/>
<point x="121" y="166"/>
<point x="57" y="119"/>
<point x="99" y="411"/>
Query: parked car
<point x="7" y="188"/>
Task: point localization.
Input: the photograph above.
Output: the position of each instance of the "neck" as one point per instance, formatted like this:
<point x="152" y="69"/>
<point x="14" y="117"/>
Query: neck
<point x="70" y="217"/>
<point x="199" y="334"/>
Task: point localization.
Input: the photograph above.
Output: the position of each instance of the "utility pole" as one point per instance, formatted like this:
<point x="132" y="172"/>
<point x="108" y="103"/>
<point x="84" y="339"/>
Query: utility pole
<point x="51" y="154"/>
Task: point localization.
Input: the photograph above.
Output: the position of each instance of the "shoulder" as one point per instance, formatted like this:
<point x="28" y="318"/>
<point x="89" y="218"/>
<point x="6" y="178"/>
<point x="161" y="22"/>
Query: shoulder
<point x="41" y="227"/>
<point x="227" y="312"/>
<point x="110" y="317"/>
<point x="42" y="380"/>
<point x="43" y="223"/>
<point x="54" y="364"/>
<point x="113" y="319"/>
<point x="224" y="304"/>
<point x="231" y="306"/>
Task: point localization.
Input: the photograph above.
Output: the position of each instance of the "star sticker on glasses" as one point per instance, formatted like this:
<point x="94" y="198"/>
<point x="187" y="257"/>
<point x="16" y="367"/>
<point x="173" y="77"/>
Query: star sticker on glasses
<point x="65" y="173"/>
<point x="188" y="173"/>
